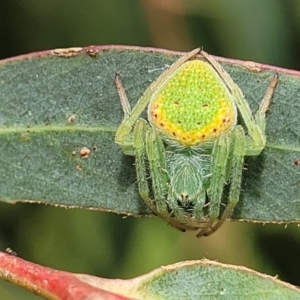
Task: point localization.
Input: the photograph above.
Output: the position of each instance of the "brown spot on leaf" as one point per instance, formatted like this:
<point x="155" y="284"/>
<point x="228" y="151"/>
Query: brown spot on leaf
<point x="72" y="118"/>
<point x="252" y="66"/>
<point x="92" y="52"/>
<point x="67" y="52"/>
<point x="10" y="252"/>
<point x="84" y="152"/>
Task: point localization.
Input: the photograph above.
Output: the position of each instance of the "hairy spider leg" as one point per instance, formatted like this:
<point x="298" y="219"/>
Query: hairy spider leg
<point x="234" y="175"/>
<point x="255" y="125"/>
<point x="124" y="133"/>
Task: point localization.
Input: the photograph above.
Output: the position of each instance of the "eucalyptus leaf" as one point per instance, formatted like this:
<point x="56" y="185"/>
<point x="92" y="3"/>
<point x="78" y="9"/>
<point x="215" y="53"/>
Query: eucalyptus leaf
<point x="55" y="104"/>
<point x="204" y="280"/>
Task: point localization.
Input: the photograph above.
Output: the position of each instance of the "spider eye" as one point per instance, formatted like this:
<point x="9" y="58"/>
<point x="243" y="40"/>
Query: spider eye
<point x="184" y="196"/>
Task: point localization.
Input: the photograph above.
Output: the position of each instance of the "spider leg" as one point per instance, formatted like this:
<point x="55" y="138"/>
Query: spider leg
<point x="122" y="95"/>
<point x="155" y="151"/>
<point x="143" y="134"/>
<point x="265" y="103"/>
<point x="236" y="168"/>
<point x="131" y="115"/>
<point x="139" y="135"/>
<point x="219" y="170"/>
<point x="256" y="141"/>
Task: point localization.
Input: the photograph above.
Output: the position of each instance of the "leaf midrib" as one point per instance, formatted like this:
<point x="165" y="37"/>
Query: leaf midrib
<point x="62" y="128"/>
<point x="56" y="128"/>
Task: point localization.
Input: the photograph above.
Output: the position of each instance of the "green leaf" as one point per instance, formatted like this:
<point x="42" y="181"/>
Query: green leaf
<point x="185" y="280"/>
<point x="40" y="141"/>
<point x="205" y="280"/>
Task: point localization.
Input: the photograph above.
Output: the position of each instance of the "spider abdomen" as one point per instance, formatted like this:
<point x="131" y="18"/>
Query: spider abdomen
<point x="193" y="106"/>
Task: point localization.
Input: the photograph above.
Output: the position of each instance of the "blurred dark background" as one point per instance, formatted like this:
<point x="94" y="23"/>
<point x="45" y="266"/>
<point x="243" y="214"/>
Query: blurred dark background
<point x="104" y="244"/>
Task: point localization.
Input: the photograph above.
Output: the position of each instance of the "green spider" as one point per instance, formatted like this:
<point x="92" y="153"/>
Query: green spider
<point x="191" y="147"/>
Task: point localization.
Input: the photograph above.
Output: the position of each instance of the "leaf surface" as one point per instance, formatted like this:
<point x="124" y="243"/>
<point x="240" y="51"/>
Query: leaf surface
<point x="185" y="280"/>
<point x="53" y="104"/>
